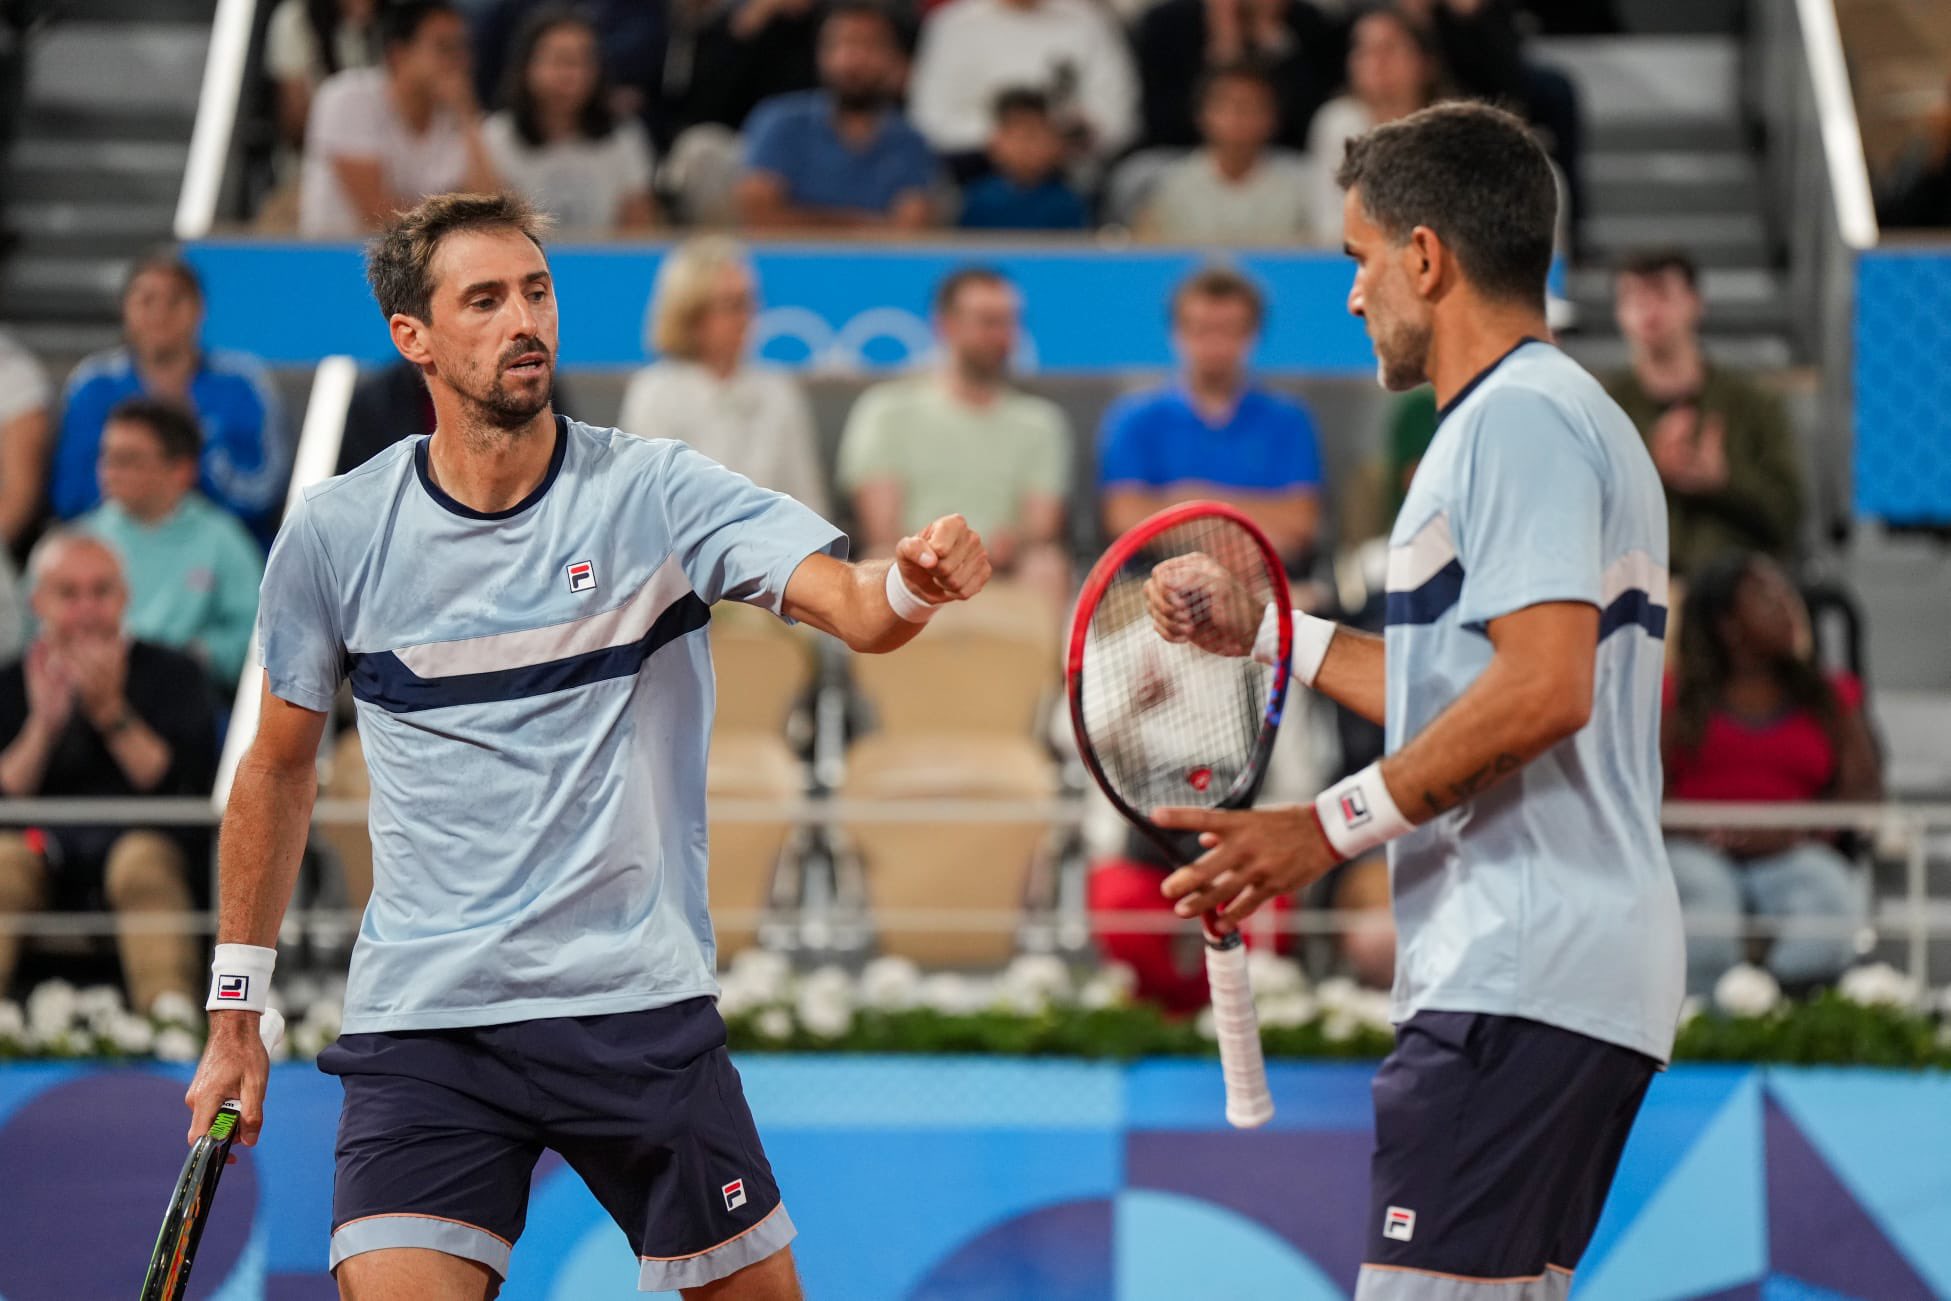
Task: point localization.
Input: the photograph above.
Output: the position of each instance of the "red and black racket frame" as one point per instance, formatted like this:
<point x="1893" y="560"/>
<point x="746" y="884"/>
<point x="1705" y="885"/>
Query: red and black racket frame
<point x="1105" y="572"/>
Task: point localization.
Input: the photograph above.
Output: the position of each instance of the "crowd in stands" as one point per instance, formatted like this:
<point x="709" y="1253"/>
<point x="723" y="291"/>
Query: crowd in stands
<point x="1208" y="121"/>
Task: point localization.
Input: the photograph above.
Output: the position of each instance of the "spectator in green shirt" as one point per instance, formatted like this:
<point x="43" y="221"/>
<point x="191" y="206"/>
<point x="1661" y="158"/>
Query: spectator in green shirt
<point x="962" y="439"/>
<point x="192" y="568"/>
<point x="1723" y="446"/>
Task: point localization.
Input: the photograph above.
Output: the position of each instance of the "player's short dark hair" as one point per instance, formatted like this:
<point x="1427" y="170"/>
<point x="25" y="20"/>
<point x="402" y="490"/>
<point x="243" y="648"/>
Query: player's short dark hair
<point x="1019" y="99"/>
<point x="169" y="262"/>
<point x="1475" y="176"/>
<point x="1225" y="284"/>
<point x="400" y="21"/>
<point x="1651" y="262"/>
<point x="952" y="284"/>
<point x="399" y="264"/>
<point x="174" y="427"/>
<point x="1249" y="70"/>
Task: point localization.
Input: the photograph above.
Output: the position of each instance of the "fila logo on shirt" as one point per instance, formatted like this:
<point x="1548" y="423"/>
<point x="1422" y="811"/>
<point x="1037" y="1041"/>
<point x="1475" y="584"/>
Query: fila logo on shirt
<point x="1354" y="811"/>
<point x="734" y="1194"/>
<point x="582" y="576"/>
<point x="1399" y="1223"/>
<point x="234" y="987"/>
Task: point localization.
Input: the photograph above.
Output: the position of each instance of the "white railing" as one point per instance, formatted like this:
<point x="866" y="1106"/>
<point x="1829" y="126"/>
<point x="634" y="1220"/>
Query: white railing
<point x="224" y="69"/>
<point x="1842" y="137"/>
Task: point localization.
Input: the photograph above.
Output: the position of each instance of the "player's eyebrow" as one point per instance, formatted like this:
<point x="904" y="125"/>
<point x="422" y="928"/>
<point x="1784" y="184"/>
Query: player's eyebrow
<point x="482" y="286"/>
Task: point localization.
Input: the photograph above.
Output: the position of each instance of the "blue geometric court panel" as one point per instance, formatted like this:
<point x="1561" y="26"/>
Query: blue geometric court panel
<point x="964" y="1180"/>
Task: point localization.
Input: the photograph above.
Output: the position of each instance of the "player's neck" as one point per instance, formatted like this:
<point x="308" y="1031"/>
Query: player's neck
<point x="488" y="469"/>
<point x="1474" y="341"/>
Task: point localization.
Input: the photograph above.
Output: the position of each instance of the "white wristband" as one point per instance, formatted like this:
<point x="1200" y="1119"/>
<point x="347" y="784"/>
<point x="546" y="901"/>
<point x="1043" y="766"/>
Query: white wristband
<point x="1358" y="813"/>
<point x="906" y="604"/>
<point x="240" y="978"/>
<point x="1311" y="638"/>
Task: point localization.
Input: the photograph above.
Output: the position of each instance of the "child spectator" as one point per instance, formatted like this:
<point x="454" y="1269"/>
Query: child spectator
<point x="556" y="138"/>
<point x="1235" y="190"/>
<point x="192" y="571"/>
<point x="246" y="455"/>
<point x="1026" y="190"/>
<point x="1751" y="719"/>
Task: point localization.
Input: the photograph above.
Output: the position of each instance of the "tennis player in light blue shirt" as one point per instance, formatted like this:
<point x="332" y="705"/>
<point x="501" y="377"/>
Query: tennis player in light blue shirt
<point x="1539" y="961"/>
<point x="519" y="603"/>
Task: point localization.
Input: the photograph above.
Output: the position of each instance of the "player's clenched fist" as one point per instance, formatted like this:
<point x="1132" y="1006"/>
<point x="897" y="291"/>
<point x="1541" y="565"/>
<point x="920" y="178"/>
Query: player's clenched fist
<point x="1192" y="598"/>
<point x="944" y="562"/>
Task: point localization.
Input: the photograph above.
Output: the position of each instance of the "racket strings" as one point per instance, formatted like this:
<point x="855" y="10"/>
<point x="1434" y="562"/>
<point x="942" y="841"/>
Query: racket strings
<point x="1172" y="723"/>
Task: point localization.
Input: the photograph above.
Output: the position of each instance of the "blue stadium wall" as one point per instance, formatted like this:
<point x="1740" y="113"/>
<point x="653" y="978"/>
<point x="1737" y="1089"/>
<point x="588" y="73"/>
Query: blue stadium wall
<point x="979" y="1179"/>
<point x="1903" y="385"/>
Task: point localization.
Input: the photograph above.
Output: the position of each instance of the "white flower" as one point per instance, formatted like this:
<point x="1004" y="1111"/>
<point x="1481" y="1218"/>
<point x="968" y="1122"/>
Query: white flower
<point x="98" y="1003"/>
<point x="173" y="1007"/>
<point x="1273" y="975"/>
<point x="767" y="976"/>
<point x="1691" y="1007"/>
<point x="131" y="1034"/>
<point x="734" y="999"/>
<point x="1337" y="993"/>
<point x="1111" y="985"/>
<point x="1370" y="1007"/>
<point x="1032" y="982"/>
<point x="1285" y="1011"/>
<point x="1880" y="985"/>
<point x="952" y="994"/>
<point x="297" y="991"/>
<point x="51" y="1008"/>
<point x="13" y="1023"/>
<point x="890" y="984"/>
<point x="1205" y="1025"/>
<point x="775" y="1023"/>
<point x="825" y="1002"/>
<point x="324" y="1019"/>
<point x="1944" y="1037"/>
<point x="1745" y="990"/>
<point x="176" y="1044"/>
<point x="1339" y="1026"/>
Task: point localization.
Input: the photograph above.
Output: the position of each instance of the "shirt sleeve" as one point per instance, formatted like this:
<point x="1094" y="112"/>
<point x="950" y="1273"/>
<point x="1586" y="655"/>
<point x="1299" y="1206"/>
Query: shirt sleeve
<point x="246" y="456"/>
<point x="298" y="624"/>
<point x="23" y="384"/>
<point x="1527" y="521"/>
<point x="1108" y="90"/>
<point x="634" y="158"/>
<point x="73" y="487"/>
<point x="867" y="446"/>
<point x="344" y="123"/>
<point x="288" y="52"/>
<point x="735" y="540"/>
<point x="1301" y="454"/>
<point x="1121" y="448"/>
<point x="767" y="148"/>
<point x="1049" y="463"/>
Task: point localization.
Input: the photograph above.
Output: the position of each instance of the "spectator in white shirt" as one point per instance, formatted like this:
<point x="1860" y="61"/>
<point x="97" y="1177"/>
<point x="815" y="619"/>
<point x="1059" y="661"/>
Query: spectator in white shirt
<point x="706" y="390"/>
<point x="1235" y="190"/>
<point x="1393" y="70"/>
<point x="381" y="139"/>
<point x="26" y="435"/>
<point x="557" y="139"/>
<point x="973" y="50"/>
<point x="307" y="41"/>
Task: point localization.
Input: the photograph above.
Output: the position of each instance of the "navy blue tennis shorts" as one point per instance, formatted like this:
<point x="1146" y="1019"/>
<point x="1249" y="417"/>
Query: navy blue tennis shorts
<point x="441" y="1130"/>
<point x="1496" y="1139"/>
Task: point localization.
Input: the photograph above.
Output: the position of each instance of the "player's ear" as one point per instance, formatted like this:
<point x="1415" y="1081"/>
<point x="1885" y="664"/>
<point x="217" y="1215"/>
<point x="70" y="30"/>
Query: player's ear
<point x="1427" y="260"/>
<point x="409" y="336"/>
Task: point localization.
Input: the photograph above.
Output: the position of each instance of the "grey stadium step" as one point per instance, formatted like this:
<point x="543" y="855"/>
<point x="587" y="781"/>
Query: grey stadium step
<point x="1717" y="240"/>
<point x="1738" y="301"/>
<point x="139" y="172"/>
<point x="62" y="289"/>
<point x="91" y="122"/>
<point x="57" y="228"/>
<point x="126" y="65"/>
<point x="1635" y="182"/>
<point x="168" y="11"/>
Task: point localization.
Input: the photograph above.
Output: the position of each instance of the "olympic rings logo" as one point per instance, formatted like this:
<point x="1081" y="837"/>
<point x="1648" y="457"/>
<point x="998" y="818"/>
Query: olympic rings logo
<point x="801" y="338"/>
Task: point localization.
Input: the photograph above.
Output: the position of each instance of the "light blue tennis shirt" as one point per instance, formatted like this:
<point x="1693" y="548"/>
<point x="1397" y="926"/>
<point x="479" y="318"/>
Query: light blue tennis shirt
<point x="535" y="696"/>
<point x="1548" y="896"/>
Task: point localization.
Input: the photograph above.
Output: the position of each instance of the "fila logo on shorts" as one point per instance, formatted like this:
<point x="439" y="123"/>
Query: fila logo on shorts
<point x="1399" y="1224"/>
<point x="1354" y="811"/>
<point x="234" y="988"/>
<point x="734" y="1194"/>
<point x="582" y="576"/>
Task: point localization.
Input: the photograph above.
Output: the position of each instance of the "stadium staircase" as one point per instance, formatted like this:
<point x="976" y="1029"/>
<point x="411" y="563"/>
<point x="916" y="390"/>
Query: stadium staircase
<point x="111" y="96"/>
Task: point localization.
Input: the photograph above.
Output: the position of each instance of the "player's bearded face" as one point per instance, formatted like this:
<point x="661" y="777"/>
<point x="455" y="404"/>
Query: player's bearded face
<point x="1401" y="339"/>
<point x="513" y="388"/>
<point x="1384" y="296"/>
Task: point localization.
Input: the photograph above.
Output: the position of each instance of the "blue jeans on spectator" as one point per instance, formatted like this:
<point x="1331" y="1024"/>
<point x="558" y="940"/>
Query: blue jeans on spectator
<point x="1811" y="881"/>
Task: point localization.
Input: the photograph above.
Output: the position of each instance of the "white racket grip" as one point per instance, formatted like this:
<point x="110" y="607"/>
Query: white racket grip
<point x="1248" y="1104"/>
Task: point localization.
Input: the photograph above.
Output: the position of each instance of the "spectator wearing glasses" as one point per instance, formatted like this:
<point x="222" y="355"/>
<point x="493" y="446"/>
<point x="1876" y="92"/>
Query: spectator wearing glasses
<point x="705" y="388"/>
<point x="842" y="156"/>
<point x="246" y="448"/>
<point x="1750" y="719"/>
<point x="383" y="138"/>
<point x="87" y="712"/>
<point x="557" y="139"/>
<point x="192" y="570"/>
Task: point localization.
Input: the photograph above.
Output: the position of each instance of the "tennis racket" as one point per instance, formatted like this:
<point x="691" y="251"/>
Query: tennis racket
<point x="196" y="1191"/>
<point x="1164" y="723"/>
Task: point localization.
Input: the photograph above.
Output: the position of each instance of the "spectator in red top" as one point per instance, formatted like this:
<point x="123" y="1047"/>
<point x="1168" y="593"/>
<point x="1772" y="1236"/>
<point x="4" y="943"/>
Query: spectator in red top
<point x="1749" y="718"/>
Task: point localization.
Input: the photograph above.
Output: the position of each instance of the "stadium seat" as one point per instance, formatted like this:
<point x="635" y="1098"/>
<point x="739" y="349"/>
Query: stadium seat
<point x="747" y="765"/>
<point x="762" y="665"/>
<point x="979" y="866"/>
<point x="984" y="668"/>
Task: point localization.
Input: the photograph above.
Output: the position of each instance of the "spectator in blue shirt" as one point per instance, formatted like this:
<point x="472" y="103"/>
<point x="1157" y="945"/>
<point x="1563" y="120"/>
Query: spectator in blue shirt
<point x="1214" y="434"/>
<point x="246" y="454"/>
<point x="843" y="155"/>
<point x="1027" y="190"/>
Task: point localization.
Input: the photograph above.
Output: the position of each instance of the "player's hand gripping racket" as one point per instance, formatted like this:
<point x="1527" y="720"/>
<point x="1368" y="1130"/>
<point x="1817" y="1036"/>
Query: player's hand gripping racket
<point x="196" y="1191"/>
<point x="1187" y="722"/>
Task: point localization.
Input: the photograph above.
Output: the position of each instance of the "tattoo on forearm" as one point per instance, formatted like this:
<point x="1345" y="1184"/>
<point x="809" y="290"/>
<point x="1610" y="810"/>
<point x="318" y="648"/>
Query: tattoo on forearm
<point x="1459" y="791"/>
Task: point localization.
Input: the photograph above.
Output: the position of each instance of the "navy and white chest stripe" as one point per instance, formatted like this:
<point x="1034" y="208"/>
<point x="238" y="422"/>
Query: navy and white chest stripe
<point x="1425" y="582"/>
<point x="612" y="643"/>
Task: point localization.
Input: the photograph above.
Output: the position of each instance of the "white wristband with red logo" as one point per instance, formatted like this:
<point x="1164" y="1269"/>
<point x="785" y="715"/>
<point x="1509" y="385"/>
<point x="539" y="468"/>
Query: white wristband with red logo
<point x="905" y="603"/>
<point x="240" y="978"/>
<point x="1311" y="637"/>
<point x="1358" y="814"/>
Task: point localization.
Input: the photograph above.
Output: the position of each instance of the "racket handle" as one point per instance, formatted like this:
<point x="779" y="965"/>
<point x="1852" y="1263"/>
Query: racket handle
<point x="1248" y="1104"/>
